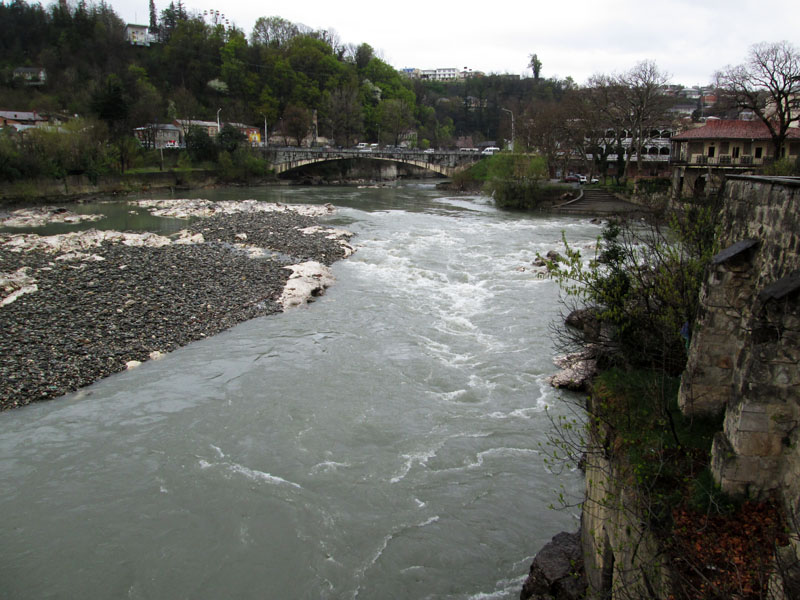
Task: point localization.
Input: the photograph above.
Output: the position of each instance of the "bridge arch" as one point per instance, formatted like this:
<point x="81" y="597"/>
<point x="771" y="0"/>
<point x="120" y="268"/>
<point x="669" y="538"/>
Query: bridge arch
<point x="444" y="163"/>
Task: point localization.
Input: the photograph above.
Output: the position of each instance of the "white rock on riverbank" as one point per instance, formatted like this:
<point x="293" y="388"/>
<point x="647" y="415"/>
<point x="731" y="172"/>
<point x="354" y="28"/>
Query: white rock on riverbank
<point x="183" y="208"/>
<point x="578" y="370"/>
<point x="16" y="284"/>
<point x="43" y="215"/>
<point x="307" y="281"/>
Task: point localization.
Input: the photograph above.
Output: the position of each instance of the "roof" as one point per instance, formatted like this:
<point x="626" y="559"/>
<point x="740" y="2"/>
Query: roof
<point x="732" y="130"/>
<point x="197" y="122"/>
<point x="159" y="126"/>
<point x="20" y="115"/>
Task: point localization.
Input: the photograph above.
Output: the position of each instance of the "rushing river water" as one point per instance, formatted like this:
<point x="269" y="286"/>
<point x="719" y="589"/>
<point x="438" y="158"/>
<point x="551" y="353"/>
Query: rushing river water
<point x="382" y="443"/>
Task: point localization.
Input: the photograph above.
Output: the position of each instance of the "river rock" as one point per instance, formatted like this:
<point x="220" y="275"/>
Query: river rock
<point x="42" y="215"/>
<point x="577" y="370"/>
<point x="557" y="571"/>
<point x="307" y="281"/>
<point x="586" y="321"/>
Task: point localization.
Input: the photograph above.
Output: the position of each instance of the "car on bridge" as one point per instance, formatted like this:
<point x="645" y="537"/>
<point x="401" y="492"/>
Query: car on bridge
<point x="490" y="150"/>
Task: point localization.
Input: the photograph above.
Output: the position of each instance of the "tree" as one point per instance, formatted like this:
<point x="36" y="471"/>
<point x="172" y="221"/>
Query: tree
<point x="199" y="144"/>
<point x="153" y="17"/>
<point x="345" y="115"/>
<point x="363" y="55"/>
<point x="230" y="138"/>
<point x="273" y="31"/>
<point x="297" y="122"/>
<point x="769" y="85"/>
<point x="395" y="118"/>
<point x="536" y="66"/>
<point x="632" y="104"/>
<point x="645" y="103"/>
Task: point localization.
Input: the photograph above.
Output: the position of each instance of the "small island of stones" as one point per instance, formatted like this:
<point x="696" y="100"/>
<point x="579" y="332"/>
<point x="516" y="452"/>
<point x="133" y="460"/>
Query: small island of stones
<point x="80" y="306"/>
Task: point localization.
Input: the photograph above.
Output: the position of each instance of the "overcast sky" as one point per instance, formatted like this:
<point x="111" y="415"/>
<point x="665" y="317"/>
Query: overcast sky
<point x="689" y="39"/>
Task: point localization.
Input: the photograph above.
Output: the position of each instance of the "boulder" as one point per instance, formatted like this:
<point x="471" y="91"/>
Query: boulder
<point x="557" y="571"/>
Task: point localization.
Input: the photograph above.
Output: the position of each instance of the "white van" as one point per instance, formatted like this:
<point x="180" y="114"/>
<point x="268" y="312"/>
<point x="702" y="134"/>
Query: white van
<point x="490" y="150"/>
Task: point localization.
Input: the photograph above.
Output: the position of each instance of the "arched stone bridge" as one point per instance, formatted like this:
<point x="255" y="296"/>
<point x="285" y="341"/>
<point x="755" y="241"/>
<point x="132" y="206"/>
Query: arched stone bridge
<point x="446" y="163"/>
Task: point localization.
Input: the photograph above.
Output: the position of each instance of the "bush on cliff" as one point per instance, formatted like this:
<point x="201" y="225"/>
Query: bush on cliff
<point x="644" y="285"/>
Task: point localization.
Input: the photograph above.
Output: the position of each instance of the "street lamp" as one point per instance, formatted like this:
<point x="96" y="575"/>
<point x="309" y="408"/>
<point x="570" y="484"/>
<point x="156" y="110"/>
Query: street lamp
<point x="218" y="128"/>
<point x="266" y="137"/>
<point x="512" y="127"/>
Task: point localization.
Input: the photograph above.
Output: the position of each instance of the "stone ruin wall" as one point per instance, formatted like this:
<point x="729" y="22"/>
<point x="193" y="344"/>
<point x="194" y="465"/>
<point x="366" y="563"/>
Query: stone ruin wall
<point x="745" y="347"/>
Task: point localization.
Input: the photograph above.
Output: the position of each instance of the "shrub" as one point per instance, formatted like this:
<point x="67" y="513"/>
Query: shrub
<point x="644" y="284"/>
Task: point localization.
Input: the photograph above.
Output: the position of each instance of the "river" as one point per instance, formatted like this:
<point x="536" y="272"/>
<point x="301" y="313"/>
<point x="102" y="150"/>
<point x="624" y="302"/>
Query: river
<point x="384" y="442"/>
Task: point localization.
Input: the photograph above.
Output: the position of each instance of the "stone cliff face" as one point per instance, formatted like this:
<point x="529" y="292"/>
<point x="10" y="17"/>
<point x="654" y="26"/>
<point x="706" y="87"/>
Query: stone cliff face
<point x="745" y="352"/>
<point x="743" y="364"/>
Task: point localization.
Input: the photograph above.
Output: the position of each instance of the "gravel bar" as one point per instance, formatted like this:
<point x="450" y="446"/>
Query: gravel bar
<point x="88" y="319"/>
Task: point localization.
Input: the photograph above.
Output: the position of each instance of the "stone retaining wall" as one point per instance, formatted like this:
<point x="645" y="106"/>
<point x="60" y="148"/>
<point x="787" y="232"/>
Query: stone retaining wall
<point x="74" y="186"/>
<point x="745" y="350"/>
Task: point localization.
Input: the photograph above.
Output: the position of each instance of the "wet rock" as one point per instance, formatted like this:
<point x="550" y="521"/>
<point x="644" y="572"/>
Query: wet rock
<point x="577" y="370"/>
<point x="307" y="281"/>
<point x="42" y="215"/>
<point x="557" y="571"/>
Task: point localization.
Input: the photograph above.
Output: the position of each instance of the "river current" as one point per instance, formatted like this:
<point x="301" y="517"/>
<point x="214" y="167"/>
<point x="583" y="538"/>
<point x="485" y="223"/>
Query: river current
<point x="383" y="442"/>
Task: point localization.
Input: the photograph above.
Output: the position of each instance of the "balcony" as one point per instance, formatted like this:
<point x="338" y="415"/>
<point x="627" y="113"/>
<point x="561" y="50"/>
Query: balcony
<point x="726" y="160"/>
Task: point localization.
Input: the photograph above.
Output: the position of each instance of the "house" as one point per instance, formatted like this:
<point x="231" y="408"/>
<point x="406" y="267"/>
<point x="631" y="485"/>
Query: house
<point x="703" y="155"/>
<point x="253" y="133"/>
<point x="138" y="35"/>
<point x="21" y="120"/>
<point x="31" y="75"/>
<point x="159" y="135"/>
<point x="212" y="128"/>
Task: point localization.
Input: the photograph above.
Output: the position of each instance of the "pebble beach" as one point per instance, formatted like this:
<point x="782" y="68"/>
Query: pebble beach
<point x="77" y="308"/>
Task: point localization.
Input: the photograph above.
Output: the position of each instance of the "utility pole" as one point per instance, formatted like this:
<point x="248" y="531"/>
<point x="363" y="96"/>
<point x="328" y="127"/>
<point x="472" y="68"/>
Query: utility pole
<point x="266" y="137"/>
<point x="512" y="127"/>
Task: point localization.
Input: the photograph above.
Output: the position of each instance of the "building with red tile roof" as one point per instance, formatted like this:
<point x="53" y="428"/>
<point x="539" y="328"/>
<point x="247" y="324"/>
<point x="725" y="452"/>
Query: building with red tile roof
<point x="704" y="154"/>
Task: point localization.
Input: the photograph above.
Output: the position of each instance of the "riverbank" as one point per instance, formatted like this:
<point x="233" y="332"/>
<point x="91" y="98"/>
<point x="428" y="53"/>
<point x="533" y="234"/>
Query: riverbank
<point x="78" y="307"/>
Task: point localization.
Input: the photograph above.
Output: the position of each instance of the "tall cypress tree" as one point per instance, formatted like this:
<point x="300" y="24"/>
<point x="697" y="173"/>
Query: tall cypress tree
<point x="153" y="17"/>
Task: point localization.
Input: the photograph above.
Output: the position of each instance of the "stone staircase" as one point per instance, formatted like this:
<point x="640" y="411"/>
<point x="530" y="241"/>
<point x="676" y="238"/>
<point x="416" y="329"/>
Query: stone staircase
<point x="597" y="201"/>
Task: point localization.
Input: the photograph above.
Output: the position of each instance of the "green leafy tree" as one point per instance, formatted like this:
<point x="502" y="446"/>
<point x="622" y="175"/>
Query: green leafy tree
<point x="536" y="66"/>
<point x="230" y="138"/>
<point x="297" y="122"/>
<point x="273" y="31"/>
<point x="235" y="72"/>
<point x="396" y="119"/>
<point x="199" y="145"/>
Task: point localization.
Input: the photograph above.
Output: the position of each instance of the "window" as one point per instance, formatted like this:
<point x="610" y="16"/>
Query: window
<point x="759" y="151"/>
<point x="735" y="152"/>
<point x="711" y="151"/>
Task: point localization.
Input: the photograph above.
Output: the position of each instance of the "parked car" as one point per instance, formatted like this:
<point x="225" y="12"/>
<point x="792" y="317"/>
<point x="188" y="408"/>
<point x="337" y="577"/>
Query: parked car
<point x="594" y="180"/>
<point x="490" y="150"/>
<point x="581" y="178"/>
<point x="572" y="178"/>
